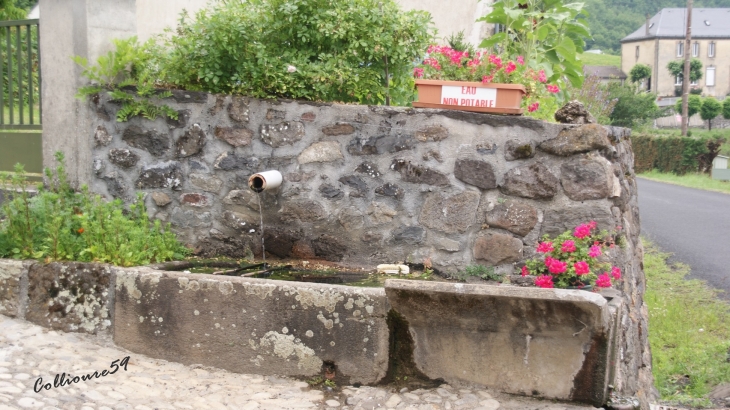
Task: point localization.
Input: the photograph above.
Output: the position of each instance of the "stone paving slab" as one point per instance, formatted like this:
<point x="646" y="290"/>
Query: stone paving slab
<point x="28" y="352"/>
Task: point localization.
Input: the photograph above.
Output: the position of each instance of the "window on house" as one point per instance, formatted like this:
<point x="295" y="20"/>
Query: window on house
<point x="710" y="78"/>
<point x="711" y="49"/>
<point x="693" y="82"/>
<point x="678" y="80"/>
<point x="637" y="51"/>
<point x="680" y="49"/>
<point x="695" y="50"/>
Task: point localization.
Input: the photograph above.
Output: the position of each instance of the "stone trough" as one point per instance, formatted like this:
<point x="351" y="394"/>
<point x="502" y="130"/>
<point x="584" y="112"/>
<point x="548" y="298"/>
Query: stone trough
<point x="556" y="344"/>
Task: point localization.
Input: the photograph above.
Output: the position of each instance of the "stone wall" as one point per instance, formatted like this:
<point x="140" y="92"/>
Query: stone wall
<point x="362" y="185"/>
<point x="368" y="185"/>
<point x="499" y="337"/>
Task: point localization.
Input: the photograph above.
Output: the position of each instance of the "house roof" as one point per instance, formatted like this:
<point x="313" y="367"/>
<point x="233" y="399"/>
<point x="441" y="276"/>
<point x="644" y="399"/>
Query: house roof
<point x="671" y="23"/>
<point x="604" y="71"/>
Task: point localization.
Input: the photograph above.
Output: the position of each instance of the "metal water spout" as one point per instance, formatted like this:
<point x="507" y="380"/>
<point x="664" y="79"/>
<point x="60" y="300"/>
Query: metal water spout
<point x="264" y="181"/>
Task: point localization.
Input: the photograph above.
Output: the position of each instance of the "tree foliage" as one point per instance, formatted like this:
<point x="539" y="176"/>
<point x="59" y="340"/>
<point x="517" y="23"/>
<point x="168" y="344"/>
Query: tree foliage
<point x="9" y="10"/>
<point x="639" y="72"/>
<point x="632" y="107"/>
<point x="676" y="68"/>
<point x="710" y="109"/>
<point x="694" y="105"/>
<point x="549" y="34"/>
<point x="726" y="108"/>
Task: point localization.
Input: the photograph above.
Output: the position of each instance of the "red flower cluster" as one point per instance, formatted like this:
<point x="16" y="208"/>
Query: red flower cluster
<point x="572" y="259"/>
<point x="544" y="281"/>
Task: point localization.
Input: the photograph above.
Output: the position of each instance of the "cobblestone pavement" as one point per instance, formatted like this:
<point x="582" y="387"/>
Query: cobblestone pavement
<point x="29" y="352"/>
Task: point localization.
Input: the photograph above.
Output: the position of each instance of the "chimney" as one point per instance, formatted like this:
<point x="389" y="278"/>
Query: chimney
<point x="647" y="24"/>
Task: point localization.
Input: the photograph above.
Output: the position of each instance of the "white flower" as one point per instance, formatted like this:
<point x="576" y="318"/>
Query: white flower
<point x="291" y="68"/>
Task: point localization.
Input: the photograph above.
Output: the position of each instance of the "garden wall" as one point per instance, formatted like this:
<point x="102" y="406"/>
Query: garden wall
<point x="368" y="185"/>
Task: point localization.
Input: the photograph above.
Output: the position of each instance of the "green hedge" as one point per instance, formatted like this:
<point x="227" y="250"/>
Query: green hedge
<point x="677" y="155"/>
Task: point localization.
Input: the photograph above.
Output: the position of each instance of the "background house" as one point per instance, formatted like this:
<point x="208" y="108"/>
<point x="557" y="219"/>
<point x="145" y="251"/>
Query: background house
<point x="605" y="73"/>
<point x="661" y="40"/>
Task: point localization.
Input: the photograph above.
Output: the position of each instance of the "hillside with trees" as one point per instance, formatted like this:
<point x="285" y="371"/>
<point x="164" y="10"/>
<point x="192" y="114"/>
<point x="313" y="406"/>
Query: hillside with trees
<point x="612" y="20"/>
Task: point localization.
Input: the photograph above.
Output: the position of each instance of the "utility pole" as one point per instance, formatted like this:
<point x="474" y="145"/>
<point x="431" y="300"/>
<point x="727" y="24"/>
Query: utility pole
<point x="685" y="76"/>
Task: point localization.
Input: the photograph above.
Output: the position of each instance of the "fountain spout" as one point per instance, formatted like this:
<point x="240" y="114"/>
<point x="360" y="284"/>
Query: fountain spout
<point x="265" y="181"/>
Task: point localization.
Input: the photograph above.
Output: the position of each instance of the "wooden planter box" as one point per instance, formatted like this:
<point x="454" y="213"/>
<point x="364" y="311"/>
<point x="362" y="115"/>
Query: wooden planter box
<point x="470" y="96"/>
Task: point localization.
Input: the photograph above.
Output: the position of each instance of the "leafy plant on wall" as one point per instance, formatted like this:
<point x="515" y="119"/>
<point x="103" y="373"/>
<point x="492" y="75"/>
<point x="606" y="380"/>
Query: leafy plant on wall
<point x="122" y="74"/>
<point x="550" y="34"/>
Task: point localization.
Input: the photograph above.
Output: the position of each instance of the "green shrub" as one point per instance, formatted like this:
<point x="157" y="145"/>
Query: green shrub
<point x="639" y="72"/>
<point x="710" y="109"/>
<point x="60" y="224"/>
<point x="128" y="66"/>
<point x="632" y="107"/>
<point x="479" y="271"/>
<point x="327" y="50"/>
<point x="677" y="155"/>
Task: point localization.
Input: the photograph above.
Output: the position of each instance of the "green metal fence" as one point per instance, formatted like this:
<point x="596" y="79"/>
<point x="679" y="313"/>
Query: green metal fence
<point x="20" y="96"/>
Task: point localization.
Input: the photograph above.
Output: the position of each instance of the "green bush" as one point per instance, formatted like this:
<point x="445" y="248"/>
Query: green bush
<point x="632" y="108"/>
<point x="677" y="155"/>
<point x="710" y="109"/>
<point x="60" y="224"/>
<point x="325" y="50"/>
<point x="639" y="72"/>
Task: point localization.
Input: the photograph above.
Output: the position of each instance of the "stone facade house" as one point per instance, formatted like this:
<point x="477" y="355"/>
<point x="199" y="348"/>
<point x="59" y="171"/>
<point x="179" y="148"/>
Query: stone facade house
<point x="661" y="40"/>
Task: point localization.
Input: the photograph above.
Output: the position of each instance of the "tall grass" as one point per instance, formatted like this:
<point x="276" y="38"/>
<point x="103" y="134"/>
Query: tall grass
<point x="689" y="331"/>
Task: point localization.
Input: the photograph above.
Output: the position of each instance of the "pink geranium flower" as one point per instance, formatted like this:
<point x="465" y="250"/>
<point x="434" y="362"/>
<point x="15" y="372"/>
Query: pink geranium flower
<point x="541" y="76"/>
<point x="553" y="88"/>
<point x="616" y="273"/>
<point x="603" y="281"/>
<point x="418" y="72"/>
<point x="568" y="246"/>
<point x="495" y="60"/>
<point x="556" y="267"/>
<point x="487" y="79"/>
<point x="520" y="60"/>
<point x="545" y="247"/>
<point x="595" y="251"/>
<point x="581" y="231"/>
<point x="581" y="268"/>
<point x="510" y="67"/>
<point x="533" y="107"/>
<point x="525" y="271"/>
<point x="544" y="281"/>
<point x="593" y="225"/>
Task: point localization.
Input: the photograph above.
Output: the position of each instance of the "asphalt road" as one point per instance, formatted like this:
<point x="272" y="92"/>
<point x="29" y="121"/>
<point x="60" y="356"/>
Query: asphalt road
<point x="692" y="224"/>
